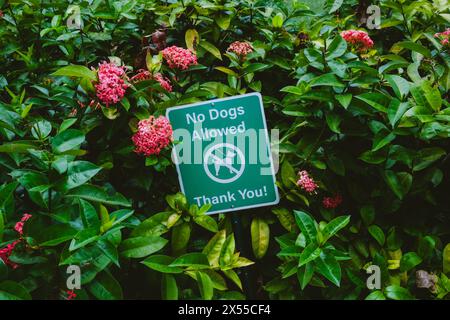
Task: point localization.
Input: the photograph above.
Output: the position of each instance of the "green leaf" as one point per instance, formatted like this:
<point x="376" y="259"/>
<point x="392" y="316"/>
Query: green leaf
<point x="169" y="288"/>
<point x="328" y="79"/>
<point x="206" y="222"/>
<point x="88" y="214"/>
<point x="277" y="20"/>
<point x="432" y="95"/>
<point x="306" y="225"/>
<point x="232" y="275"/>
<point x="425" y="157"/>
<point x="55" y="234"/>
<point x="66" y="124"/>
<point x="399" y="85"/>
<point x="157" y="224"/>
<point x="310" y="253"/>
<point x="260" y="234"/>
<point x="377" y="233"/>
<point x="180" y="237"/>
<point x="16" y="147"/>
<point x="305" y="274"/>
<point x="376" y="100"/>
<point x="226" y="255"/>
<point x="344" y="99"/>
<point x="376" y="295"/>
<point x="333" y="121"/>
<point x="286" y="218"/>
<point x="67" y="140"/>
<point x="426" y="247"/>
<point x="227" y="71"/>
<point x="83" y="238"/>
<point x="192" y="38"/>
<point x="214" y="248"/>
<point x="254" y="67"/>
<point x="194" y="260"/>
<point x="140" y="247"/>
<point x="336" y="5"/>
<point x="161" y="263"/>
<point x="205" y="285"/>
<point x="334" y="226"/>
<point x="10" y="290"/>
<point x="396" y="292"/>
<point x="327" y="265"/>
<point x="409" y="261"/>
<point x="76" y="71"/>
<point x="400" y="183"/>
<point x="382" y="139"/>
<point x="337" y="48"/>
<point x="2" y="226"/>
<point x="41" y="129"/>
<point x="294" y="90"/>
<point x="80" y="172"/>
<point x="396" y="110"/>
<point x="446" y="259"/>
<point x="413" y="47"/>
<point x="223" y="21"/>
<point x="3" y="271"/>
<point x="109" y="250"/>
<point x="106" y="287"/>
<point x="97" y="194"/>
<point x="211" y="49"/>
<point x="287" y="174"/>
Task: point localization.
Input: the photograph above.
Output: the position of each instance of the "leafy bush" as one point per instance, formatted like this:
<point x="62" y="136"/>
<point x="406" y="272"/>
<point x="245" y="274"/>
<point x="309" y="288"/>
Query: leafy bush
<point x="364" y="118"/>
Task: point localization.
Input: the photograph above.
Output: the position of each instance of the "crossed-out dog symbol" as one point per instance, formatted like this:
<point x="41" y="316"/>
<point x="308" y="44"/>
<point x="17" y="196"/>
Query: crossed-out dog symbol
<point x="224" y="162"/>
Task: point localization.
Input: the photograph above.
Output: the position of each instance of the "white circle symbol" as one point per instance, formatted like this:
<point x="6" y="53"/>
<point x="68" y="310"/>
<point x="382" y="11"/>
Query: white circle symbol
<point x="225" y="162"/>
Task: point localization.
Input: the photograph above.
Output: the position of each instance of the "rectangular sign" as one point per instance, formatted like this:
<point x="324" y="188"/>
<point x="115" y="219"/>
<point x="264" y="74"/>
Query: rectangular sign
<point x="222" y="153"/>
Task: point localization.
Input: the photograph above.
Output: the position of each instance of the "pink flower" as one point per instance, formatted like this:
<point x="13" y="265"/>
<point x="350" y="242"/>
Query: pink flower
<point x="164" y="82"/>
<point x="19" y="225"/>
<point x="332" y="202"/>
<point x="240" y="48"/>
<point x="360" y="40"/>
<point x="444" y="37"/>
<point x="111" y="86"/>
<point x="6" y="252"/>
<point x="179" y="58"/>
<point x="141" y="75"/>
<point x="146" y="75"/>
<point x="71" y="295"/>
<point x="306" y="182"/>
<point x="153" y="135"/>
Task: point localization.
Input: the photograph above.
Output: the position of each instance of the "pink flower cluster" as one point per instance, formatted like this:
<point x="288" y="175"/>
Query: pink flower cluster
<point x="163" y="81"/>
<point x="444" y="37"/>
<point x="240" y="48"/>
<point x="306" y="182"/>
<point x="141" y="75"/>
<point x="146" y="75"/>
<point x="70" y="295"/>
<point x="179" y="58"/>
<point x="358" y="39"/>
<point x="19" y="225"/>
<point x="332" y="202"/>
<point x="153" y="135"/>
<point x="111" y="86"/>
<point x="6" y="252"/>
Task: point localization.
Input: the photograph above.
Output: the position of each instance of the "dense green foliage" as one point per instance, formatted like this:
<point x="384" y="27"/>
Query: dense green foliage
<point x="371" y="126"/>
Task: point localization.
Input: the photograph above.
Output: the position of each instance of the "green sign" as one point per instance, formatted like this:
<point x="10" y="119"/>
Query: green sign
<point x="222" y="153"/>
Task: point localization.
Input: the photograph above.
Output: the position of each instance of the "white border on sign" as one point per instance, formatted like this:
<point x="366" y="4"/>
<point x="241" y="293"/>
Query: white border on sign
<point x="277" y="196"/>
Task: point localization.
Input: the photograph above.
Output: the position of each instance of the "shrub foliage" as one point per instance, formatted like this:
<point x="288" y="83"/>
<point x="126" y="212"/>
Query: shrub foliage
<point x="363" y="117"/>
